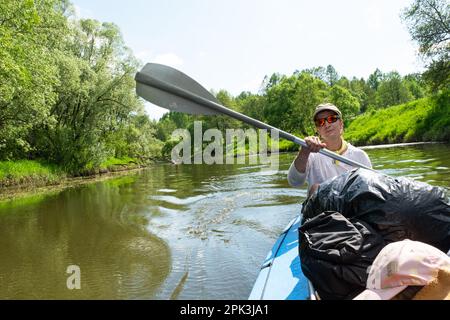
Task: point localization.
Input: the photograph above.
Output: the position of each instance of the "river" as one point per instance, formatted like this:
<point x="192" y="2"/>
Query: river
<point x="169" y="231"/>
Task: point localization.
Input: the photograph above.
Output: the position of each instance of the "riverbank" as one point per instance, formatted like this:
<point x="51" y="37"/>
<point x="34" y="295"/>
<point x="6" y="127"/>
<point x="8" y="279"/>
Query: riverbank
<point x="422" y="120"/>
<point x="24" y="177"/>
<point x="32" y="191"/>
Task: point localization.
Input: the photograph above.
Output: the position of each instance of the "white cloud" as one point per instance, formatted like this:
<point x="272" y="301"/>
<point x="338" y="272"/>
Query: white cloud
<point x="169" y="59"/>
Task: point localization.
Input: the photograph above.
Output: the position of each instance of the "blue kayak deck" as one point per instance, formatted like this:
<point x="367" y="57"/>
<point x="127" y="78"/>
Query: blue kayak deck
<point x="281" y="276"/>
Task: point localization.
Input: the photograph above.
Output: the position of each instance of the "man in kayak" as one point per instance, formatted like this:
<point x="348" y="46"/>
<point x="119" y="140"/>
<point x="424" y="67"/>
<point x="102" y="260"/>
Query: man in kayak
<point x="314" y="167"/>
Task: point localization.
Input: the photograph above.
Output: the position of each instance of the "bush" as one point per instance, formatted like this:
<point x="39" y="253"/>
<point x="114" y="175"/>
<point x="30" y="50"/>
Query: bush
<point x="420" y="120"/>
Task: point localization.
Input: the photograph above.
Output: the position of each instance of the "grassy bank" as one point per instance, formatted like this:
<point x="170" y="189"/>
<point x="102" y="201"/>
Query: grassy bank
<point x="35" y="173"/>
<point x="427" y="119"/>
<point x="283" y="146"/>
<point x="422" y="120"/>
<point x="29" y="172"/>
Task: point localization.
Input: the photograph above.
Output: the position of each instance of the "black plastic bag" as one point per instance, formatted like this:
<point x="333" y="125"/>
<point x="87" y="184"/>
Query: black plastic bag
<point x="397" y="208"/>
<point x="336" y="254"/>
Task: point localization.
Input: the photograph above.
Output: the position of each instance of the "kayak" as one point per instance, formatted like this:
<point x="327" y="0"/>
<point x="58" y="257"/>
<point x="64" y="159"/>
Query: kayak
<point x="281" y="276"/>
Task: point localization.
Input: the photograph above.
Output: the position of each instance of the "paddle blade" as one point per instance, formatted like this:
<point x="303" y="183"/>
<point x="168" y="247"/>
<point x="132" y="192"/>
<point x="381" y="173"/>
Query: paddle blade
<point x="154" y="83"/>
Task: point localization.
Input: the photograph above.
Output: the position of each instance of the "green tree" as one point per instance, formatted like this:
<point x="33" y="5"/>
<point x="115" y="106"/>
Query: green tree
<point x="392" y="91"/>
<point x="344" y="100"/>
<point x="30" y="37"/>
<point x="374" y="79"/>
<point x="331" y="75"/>
<point x="318" y="72"/>
<point x="280" y="102"/>
<point x="429" y="24"/>
<point x="168" y="123"/>
<point x="361" y="91"/>
<point x="252" y="105"/>
<point x="415" y="85"/>
<point x="269" y="82"/>
<point x="96" y="96"/>
<point x="291" y="103"/>
<point x="343" y="82"/>
<point x="67" y="89"/>
<point x="135" y="139"/>
<point x="221" y="122"/>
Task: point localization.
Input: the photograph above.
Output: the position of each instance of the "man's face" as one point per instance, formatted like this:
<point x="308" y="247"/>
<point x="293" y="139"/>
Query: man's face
<point x="328" y="130"/>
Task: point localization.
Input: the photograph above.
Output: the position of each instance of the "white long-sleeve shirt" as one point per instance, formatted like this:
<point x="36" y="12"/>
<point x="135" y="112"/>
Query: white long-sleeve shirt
<point x="320" y="167"/>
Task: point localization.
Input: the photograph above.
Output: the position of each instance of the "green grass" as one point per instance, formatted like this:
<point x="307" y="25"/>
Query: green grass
<point x="29" y="172"/>
<point x="426" y="119"/>
<point x="112" y="163"/>
<point x="286" y="146"/>
<point x="39" y="173"/>
<point x="283" y="146"/>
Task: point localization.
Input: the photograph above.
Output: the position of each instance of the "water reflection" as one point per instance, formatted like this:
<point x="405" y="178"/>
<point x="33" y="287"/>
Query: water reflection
<point x="97" y="227"/>
<point x="169" y="232"/>
<point x="426" y="163"/>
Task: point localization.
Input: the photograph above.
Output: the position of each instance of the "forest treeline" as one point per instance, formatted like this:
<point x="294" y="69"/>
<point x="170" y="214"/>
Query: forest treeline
<point x="67" y="93"/>
<point x="68" y="101"/>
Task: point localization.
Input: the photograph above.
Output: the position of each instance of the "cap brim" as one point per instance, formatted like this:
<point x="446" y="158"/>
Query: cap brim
<point x="326" y="109"/>
<point x="379" y="294"/>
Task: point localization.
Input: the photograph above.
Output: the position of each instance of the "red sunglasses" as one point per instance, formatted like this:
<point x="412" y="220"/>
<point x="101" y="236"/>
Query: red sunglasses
<point x="330" y="119"/>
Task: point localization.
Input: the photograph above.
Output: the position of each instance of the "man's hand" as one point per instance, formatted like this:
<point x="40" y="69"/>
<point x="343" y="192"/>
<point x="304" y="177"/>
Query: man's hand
<point x="314" y="144"/>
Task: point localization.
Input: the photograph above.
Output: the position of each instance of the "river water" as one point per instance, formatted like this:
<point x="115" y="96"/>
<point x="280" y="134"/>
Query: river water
<point x="167" y="232"/>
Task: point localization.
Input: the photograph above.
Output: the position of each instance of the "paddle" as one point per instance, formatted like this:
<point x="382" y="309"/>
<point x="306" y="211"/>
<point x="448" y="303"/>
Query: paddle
<point x="171" y="89"/>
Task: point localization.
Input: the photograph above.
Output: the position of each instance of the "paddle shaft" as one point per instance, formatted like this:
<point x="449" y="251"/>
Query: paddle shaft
<point x="167" y="87"/>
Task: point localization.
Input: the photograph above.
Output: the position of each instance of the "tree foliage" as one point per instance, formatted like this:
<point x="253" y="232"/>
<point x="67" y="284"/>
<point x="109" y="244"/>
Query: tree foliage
<point x="67" y="91"/>
<point x="30" y="32"/>
<point x="428" y="22"/>
<point x="288" y="102"/>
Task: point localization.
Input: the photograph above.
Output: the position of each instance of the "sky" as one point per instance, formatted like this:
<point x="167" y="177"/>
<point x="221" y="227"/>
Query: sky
<point x="233" y="44"/>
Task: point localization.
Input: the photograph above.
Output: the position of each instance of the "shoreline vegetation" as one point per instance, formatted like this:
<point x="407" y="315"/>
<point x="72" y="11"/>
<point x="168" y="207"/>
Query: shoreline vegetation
<point x="34" y="177"/>
<point x="69" y="109"/>
<point x="425" y="120"/>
